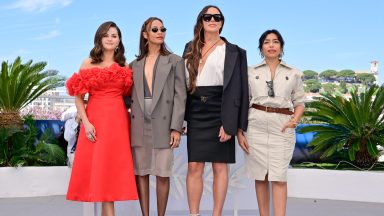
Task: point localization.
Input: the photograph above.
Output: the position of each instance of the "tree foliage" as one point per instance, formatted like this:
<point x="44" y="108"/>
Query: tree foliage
<point x="20" y="147"/>
<point x="310" y="74"/>
<point x="347" y="75"/>
<point x="328" y="74"/>
<point x="329" y="88"/>
<point x="366" y="78"/>
<point x="312" y="85"/>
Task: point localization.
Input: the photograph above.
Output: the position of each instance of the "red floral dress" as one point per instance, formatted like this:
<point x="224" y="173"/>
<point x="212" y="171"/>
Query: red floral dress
<point x="103" y="171"/>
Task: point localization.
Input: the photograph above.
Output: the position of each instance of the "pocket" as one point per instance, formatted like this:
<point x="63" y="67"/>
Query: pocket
<point x="283" y="86"/>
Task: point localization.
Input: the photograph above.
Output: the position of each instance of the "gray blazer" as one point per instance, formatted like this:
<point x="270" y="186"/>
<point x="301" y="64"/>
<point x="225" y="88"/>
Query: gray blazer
<point x="168" y="101"/>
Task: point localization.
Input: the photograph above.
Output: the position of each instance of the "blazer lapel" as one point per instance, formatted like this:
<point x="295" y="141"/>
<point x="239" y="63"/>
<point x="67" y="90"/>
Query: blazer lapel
<point x="138" y="80"/>
<point x="229" y="63"/>
<point x="162" y="70"/>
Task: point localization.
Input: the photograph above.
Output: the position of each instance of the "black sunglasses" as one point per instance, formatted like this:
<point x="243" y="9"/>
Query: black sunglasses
<point x="155" y="29"/>
<point x="271" y="92"/>
<point x="216" y="17"/>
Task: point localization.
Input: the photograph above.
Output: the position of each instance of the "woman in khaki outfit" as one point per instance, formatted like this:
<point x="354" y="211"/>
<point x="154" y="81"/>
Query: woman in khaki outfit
<point x="277" y="104"/>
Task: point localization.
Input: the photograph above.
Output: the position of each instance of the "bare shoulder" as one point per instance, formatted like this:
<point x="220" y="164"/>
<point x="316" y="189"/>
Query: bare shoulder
<point x="86" y="63"/>
<point x="127" y="65"/>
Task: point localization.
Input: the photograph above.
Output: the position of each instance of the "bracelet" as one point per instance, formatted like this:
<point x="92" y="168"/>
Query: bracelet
<point x="294" y="121"/>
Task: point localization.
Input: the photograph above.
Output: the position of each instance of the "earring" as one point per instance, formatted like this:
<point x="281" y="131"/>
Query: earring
<point x="116" y="49"/>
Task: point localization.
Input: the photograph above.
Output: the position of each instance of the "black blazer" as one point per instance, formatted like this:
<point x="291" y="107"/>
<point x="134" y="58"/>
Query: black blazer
<point x="235" y="101"/>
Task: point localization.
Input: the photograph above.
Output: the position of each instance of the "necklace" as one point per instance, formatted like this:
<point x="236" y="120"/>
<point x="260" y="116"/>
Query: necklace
<point x="202" y="56"/>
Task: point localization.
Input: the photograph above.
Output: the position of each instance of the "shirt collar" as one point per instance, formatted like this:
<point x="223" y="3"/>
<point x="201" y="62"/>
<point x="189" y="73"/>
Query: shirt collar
<point x="282" y="63"/>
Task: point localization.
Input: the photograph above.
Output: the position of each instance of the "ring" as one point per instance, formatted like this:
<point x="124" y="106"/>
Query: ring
<point x="89" y="136"/>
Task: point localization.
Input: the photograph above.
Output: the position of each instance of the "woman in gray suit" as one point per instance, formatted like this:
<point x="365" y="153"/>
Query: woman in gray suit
<point x="157" y="112"/>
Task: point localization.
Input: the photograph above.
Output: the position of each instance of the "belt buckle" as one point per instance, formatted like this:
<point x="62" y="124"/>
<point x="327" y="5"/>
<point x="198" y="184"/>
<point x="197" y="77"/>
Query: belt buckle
<point x="203" y="99"/>
<point x="266" y="109"/>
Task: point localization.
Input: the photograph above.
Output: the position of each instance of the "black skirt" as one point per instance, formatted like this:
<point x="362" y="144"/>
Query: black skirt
<point x="203" y="114"/>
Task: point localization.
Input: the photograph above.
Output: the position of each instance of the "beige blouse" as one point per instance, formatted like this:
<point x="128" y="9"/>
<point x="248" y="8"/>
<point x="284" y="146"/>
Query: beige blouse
<point x="287" y="85"/>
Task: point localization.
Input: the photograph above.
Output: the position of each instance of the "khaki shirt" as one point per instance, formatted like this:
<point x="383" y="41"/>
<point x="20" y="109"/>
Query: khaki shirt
<point x="287" y="85"/>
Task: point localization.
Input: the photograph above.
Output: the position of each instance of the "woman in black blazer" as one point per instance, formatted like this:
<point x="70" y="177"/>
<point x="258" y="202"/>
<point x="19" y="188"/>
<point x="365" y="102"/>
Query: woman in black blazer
<point x="217" y="105"/>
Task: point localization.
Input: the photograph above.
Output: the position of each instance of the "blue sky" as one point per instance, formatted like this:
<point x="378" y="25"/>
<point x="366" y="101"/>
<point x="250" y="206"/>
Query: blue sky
<point x="319" y="34"/>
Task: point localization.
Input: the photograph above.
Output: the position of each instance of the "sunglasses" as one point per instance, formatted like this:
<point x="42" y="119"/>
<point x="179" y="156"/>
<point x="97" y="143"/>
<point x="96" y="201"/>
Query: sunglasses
<point x="155" y="29"/>
<point x="216" y="17"/>
<point x="271" y="92"/>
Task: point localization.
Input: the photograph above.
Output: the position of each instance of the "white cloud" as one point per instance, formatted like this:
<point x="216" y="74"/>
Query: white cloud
<point x="51" y="34"/>
<point x="37" y="5"/>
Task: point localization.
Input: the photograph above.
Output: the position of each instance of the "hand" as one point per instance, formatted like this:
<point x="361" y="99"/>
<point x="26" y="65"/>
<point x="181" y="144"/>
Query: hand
<point x="90" y="131"/>
<point x="290" y="124"/>
<point x="242" y="141"/>
<point x="175" y="139"/>
<point x="223" y="136"/>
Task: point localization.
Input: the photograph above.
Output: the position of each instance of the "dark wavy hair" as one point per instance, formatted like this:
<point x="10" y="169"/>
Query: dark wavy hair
<point x="143" y="46"/>
<point x="96" y="53"/>
<point x="194" y="54"/>
<point x="279" y="38"/>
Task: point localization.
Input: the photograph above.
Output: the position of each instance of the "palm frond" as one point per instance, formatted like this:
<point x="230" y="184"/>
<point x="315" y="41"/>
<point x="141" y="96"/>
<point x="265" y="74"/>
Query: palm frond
<point x="21" y="83"/>
<point x="355" y="124"/>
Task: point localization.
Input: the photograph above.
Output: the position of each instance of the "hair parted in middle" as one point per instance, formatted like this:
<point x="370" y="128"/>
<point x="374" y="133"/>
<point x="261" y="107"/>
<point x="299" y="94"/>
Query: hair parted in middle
<point x="143" y="46"/>
<point x="96" y="53"/>
<point x="264" y="36"/>
<point x="194" y="50"/>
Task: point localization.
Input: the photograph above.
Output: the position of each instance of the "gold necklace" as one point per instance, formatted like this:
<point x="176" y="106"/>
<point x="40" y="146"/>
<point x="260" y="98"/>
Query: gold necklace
<point x="202" y="57"/>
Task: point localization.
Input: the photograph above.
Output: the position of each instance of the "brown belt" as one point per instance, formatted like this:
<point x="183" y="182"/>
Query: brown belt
<point x="285" y="111"/>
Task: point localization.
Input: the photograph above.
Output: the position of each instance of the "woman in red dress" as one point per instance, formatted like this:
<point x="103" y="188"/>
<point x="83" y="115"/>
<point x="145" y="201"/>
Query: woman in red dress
<point x="103" y="169"/>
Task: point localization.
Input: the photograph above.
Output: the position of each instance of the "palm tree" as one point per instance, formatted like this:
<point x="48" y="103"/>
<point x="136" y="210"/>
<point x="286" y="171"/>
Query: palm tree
<point x="355" y="125"/>
<point x="20" y="84"/>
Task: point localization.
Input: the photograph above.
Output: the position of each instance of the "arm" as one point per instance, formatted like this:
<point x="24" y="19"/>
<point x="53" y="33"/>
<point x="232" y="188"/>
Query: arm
<point x="244" y="106"/>
<point x="298" y="96"/>
<point x="180" y="97"/>
<point x="179" y="100"/>
<point x="90" y="131"/>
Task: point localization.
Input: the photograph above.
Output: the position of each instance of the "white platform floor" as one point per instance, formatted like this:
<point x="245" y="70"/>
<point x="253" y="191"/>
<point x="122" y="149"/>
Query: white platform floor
<point x="58" y="206"/>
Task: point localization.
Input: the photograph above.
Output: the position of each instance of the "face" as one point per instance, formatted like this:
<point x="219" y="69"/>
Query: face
<point x="271" y="46"/>
<point x="155" y="33"/>
<point x="212" y="20"/>
<point x="110" y="39"/>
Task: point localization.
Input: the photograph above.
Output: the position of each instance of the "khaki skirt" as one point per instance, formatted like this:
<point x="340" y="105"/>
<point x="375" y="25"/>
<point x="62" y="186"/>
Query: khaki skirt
<point x="270" y="150"/>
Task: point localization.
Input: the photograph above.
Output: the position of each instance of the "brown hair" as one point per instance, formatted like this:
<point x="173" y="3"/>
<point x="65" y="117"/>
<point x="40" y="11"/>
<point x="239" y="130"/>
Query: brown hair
<point x="194" y="54"/>
<point x="96" y="53"/>
<point x="143" y="46"/>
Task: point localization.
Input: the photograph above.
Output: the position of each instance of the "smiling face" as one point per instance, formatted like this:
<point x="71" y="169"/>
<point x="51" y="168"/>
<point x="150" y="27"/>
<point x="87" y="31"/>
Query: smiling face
<point x="155" y="33"/>
<point x="271" y="47"/>
<point x="110" y="39"/>
<point x="212" y="20"/>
